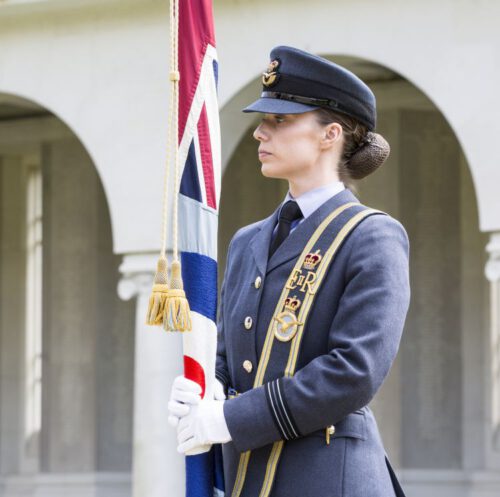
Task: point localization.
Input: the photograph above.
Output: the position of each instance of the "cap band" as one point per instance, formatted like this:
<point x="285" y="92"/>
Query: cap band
<point x="320" y="102"/>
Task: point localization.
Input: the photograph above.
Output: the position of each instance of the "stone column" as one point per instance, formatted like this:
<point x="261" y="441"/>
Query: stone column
<point x="12" y="291"/>
<point x="474" y="307"/>
<point x="431" y="350"/>
<point x="492" y="272"/>
<point x="157" y="467"/>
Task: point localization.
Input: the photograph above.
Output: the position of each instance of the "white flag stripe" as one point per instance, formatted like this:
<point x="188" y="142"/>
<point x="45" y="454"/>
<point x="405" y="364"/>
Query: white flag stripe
<point x="201" y="344"/>
<point x="212" y="106"/>
<point x="200" y="233"/>
<point x="199" y="166"/>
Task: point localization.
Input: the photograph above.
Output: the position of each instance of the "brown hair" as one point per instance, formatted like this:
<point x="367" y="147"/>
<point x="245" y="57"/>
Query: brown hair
<point x="363" y="152"/>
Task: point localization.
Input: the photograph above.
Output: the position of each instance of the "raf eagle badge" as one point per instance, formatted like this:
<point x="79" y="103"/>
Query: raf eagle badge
<point x="287" y="324"/>
<point x="271" y="76"/>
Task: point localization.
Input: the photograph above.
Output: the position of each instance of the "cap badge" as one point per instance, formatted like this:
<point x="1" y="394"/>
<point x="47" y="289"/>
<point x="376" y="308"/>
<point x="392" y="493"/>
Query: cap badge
<point x="270" y="77"/>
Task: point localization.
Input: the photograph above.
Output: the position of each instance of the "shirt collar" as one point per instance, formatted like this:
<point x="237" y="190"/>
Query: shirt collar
<point x="312" y="199"/>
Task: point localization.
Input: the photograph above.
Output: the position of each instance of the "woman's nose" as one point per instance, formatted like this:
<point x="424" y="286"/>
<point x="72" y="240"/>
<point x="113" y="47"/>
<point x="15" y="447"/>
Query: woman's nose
<point x="259" y="133"/>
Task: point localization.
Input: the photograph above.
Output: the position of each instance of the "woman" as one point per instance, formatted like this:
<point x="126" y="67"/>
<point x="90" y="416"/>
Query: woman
<point x="313" y="302"/>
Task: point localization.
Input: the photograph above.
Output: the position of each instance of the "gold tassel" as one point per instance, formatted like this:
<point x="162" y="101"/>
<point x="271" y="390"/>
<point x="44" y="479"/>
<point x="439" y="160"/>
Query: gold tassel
<point x="159" y="294"/>
<point x="177" y="315"/>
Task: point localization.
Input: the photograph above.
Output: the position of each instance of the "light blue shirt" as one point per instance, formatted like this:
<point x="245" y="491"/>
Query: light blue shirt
<point x="311" y="200"/>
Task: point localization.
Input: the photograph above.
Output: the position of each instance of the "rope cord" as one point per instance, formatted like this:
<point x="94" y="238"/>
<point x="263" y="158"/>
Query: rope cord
<point x="172" y="128"/>
<point x="176" y="124"/>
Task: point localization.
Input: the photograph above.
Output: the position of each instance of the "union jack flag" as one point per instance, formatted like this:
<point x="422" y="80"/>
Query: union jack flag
<point x="200" y="166"/>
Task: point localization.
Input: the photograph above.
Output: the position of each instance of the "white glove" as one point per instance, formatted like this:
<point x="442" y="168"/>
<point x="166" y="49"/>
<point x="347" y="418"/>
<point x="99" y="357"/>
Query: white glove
<point x="186" y="393"/>
<point x="219" y="391"/>
<point x="205" y="424"/>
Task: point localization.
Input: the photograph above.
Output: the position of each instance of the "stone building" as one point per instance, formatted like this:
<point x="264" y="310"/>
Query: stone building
<point x="83" y="116"/>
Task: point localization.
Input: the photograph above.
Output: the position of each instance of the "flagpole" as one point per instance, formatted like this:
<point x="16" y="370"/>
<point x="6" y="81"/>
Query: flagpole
<point x="186" y="298"/>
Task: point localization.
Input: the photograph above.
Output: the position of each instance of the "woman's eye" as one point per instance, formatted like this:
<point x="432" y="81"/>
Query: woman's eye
<point x="274" y="119"/>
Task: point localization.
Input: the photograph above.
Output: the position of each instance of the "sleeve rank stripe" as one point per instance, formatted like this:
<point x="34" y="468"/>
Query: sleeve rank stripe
<point x="274" y="396"/>
<point x="284" y="434"/>
<point x="286" y="409"/>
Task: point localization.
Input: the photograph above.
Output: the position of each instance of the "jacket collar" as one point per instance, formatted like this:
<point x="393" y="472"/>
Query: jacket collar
<point x="295" y="242"/>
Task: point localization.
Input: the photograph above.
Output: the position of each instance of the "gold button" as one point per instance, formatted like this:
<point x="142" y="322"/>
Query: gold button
<point x="248" y="322"/>
<point x="248" y="366"/>
<point x="330" y="430"/>
<point x="257" y="282"/>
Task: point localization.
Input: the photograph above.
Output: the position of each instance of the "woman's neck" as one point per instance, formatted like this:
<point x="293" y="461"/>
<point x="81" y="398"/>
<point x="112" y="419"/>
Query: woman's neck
<point x="315" y="175"/>
<point x="299" y="187"/>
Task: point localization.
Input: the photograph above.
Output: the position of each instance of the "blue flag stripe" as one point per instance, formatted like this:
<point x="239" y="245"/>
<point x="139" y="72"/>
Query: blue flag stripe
<point x="202" y="467"/>
<point x="190" y="182"/>
<point x="199" y="274"/>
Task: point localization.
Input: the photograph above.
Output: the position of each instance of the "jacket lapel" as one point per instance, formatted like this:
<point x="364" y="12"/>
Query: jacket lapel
<point x="293" y="245"/>
<point x="261" y="241"/>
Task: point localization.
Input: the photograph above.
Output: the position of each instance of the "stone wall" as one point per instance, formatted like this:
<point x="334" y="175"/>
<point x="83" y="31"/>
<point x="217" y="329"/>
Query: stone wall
<point x="88" y="332"/>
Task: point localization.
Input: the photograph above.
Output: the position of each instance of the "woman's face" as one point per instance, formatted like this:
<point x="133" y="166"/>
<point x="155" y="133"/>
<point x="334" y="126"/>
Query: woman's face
<point x="289" y="144"/>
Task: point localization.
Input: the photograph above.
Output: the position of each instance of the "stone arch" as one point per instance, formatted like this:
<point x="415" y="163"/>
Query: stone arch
<point x="35" y="108"/>
<point x="68" y="302"/>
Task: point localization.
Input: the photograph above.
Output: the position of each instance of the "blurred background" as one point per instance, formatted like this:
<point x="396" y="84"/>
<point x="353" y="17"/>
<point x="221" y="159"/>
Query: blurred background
<point x="83" y="133"/>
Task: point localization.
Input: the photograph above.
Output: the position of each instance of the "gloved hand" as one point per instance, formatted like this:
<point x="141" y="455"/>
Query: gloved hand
<point x="184" y="394"/>
<point x="205" y="424"/>
<point x="219" y="390"/>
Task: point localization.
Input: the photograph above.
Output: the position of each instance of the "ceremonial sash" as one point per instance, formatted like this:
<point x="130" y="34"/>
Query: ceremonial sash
<point x="290" y="315"/>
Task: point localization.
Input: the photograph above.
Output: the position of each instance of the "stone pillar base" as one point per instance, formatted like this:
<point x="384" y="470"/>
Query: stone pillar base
<point x="64" y="485"/>
<point x="158" y="469"/>
<point x="450" y="483"/>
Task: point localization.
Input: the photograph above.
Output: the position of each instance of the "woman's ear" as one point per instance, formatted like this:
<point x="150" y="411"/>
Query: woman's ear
<point x="332" y="134"/>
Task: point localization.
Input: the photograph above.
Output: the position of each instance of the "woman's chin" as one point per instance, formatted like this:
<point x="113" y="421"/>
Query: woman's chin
<point x="269" y="171"/>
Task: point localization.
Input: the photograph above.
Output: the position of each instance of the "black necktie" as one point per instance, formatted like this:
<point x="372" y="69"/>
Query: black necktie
<point x="289" y="213"/>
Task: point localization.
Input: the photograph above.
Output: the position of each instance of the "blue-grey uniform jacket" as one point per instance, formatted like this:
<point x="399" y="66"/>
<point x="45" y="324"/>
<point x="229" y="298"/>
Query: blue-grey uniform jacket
<point x="350" y="340"/>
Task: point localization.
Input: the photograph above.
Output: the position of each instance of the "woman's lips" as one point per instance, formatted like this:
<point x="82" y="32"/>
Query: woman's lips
<point x="263" y="154"/>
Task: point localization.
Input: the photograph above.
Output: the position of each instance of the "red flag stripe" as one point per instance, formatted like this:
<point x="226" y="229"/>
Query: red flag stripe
<point x="196" y="31"/>
<point x="206" y="158"/>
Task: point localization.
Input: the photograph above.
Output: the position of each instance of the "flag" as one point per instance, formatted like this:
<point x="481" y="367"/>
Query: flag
<point x="199" y="159"/>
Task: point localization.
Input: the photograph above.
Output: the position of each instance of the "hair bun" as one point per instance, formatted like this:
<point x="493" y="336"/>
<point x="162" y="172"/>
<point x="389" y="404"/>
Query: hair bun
<point x="371" y="154"/>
